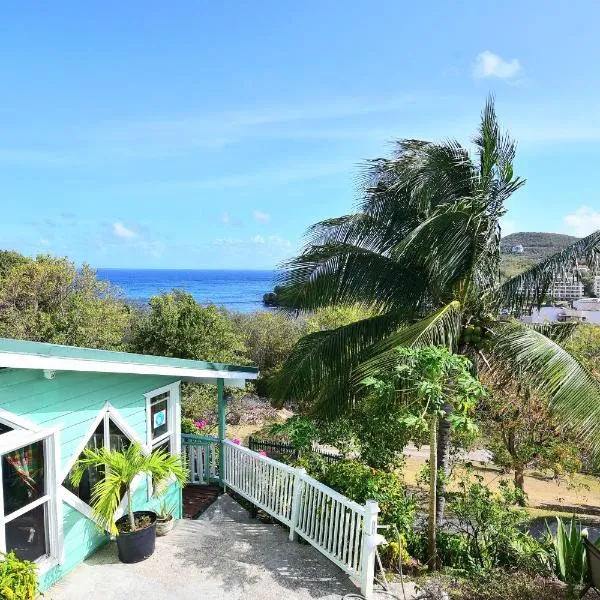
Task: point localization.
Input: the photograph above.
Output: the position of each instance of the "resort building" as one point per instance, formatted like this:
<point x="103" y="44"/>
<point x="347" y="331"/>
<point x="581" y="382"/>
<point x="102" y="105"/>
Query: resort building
<point x="566" y="288"/>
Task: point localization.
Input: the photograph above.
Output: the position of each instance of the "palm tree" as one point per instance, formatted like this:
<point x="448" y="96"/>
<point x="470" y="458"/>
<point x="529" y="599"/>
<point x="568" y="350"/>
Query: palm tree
<point x="121" y="468"/>
<point x="422" y="251"/>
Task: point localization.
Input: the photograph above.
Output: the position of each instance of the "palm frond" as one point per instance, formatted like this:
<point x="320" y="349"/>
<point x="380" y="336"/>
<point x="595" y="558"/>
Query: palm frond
<point x="573" y="393"/>
<point x="531" y="288"/>
<point x="339" y="273"/>
<point x="319" y="366"/>
<point x="442" y="328"/>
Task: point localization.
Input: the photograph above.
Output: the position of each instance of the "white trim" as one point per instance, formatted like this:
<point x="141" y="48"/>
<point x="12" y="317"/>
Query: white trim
<point x="161" y="390"/>
<point x="77" y="503"/>
<point x="84" y="441"/>
<point x="107" y="413"/>
<point x="53" y="525"/>
<point x="25" y="509"/>
<point x="12" y="420"/>
<point x="53" y="363"/>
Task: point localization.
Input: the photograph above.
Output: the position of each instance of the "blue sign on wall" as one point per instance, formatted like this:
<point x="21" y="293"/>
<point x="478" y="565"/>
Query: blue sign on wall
<point x="160" y="418"/>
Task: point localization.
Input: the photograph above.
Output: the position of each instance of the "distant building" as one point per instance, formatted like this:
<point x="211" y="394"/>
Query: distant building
<point x="597" y="285"/>
<point x="567" y="288"/>
<point x="592" y="304"/>
<point x="559" y="314"/>
<point x="518" y="249"/>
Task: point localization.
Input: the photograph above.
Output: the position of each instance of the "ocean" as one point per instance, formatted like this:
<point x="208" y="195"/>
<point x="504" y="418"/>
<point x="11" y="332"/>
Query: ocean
<point x="240" y="291"/>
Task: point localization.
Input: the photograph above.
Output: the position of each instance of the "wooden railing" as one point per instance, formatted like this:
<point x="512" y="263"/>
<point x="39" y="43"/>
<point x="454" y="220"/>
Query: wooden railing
<point x="344" y="531"/>
<point x="202" y="455"/>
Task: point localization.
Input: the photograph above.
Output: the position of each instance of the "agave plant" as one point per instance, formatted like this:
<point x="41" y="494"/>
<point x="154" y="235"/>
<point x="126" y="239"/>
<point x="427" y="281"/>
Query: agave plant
<point x="422" y="252"/>
<point x="121" y="467"/>
<point x="569" y="554"/>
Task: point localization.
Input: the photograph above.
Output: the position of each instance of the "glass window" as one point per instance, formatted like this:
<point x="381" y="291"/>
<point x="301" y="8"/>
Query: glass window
<point x="4" y="428"/>
<point x="23" y="476"/>
<point x="159" y="415"/>
<point x="27" y="536"/>
<point x="116" y="440"/>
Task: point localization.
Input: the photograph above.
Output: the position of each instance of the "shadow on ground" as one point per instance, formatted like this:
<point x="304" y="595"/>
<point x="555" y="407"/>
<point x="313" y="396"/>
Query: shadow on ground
<point x="223" y="555"/>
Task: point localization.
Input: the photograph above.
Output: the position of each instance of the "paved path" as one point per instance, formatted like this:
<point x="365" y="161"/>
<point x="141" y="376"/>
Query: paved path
<point x="222" y="555"/>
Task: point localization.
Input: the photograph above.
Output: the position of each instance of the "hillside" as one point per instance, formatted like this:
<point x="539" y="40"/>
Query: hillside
<point x="536" y="246"/>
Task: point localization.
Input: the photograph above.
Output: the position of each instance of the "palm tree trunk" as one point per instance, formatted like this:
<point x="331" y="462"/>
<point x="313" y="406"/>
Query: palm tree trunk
<point x="443" y="460"/>
<point x="432" y="525"/>
<point x="130" y="509"/>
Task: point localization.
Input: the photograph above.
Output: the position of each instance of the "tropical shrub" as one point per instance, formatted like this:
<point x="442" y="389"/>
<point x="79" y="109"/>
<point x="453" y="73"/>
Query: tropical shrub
<point x="568" y="552"/>
<point x="507" y="585"/>
<point x="361" y="483"/>
<point x="299" y="430"/>
<point x="491" y="528"/>
<point x="18" y="578"/>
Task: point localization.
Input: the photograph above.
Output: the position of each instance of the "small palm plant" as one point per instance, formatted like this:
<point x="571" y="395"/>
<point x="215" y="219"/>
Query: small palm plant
<point x="121" y="467"/>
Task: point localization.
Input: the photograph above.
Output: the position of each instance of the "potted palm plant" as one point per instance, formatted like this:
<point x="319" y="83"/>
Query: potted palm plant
<point x="164" y="519"/>
<point x="136" y="530"/>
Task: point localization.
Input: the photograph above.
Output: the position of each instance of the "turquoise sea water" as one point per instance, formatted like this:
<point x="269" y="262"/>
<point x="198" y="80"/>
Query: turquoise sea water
<point x="236" y="290"/>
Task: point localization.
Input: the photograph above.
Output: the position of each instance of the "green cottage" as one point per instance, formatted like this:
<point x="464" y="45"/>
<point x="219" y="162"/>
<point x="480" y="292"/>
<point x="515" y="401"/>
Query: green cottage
<point x="57" y="400"/>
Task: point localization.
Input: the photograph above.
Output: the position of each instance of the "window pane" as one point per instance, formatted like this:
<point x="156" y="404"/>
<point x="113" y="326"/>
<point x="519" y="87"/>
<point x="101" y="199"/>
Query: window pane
<point x="23" y="476"/>
<point x="159" y="415"/>
<point x="26" y="535"/>
<point x="4" y="428"/>
<point x="92" y="475"/>
<point x="118" y="440"/>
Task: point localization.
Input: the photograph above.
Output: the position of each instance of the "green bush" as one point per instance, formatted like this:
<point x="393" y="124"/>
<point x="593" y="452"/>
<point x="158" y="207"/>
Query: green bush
<point x="484" y="532"/>
<point x="361" y="483"/>
<point x="18" y="578"/>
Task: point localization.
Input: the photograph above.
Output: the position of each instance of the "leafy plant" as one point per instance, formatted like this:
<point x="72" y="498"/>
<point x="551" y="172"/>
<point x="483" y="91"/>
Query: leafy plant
<point x="422" y="386"/>
<point x="121" y="468"/>
<point x="568" y="551"/>
<point x="18" y="578"/>
<point x="300" y="430"/>
<point x="361" y="483"/>
<point x="490" y="530"/>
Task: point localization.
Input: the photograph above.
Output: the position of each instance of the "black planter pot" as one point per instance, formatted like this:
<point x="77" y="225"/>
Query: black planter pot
<point x="135" y="546"/>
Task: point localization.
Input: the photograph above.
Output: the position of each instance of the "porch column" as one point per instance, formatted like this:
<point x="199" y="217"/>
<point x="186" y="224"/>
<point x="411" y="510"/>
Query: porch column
<point x="222" y="426"/>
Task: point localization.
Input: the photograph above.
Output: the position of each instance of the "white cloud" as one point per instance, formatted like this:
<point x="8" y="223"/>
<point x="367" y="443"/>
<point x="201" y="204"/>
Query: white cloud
<point x="262" y="217"/>
<point x="488" y="64"/>
<point x="258" y="239"/>
<point x="122" y="232"/>
<point x="583" y="221"/>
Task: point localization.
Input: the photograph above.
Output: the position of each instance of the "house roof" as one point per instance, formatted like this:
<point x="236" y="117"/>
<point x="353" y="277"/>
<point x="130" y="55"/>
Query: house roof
<point x="20" y="354"/>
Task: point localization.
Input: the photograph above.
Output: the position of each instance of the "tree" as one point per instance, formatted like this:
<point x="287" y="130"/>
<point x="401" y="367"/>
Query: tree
<point x="48" y="299"/>
<point x="423" y="253"/>
<point x="521" y="432"/>
<point x="420" y="386"/>
<point x="178" y="326"/>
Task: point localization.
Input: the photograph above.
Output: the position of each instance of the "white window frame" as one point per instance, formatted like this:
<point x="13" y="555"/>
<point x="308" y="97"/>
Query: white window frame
<point x="173" y="418"/>
<point x="14" y="440"/>
<point x="108" y="412"/>
<point x="173" y="433"/>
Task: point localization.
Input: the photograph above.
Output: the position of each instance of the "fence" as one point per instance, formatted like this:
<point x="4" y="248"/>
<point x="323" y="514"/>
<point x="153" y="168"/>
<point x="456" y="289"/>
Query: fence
<point x="282" y="449"/>
<point x="344" y="531"/>
<point x="202" y="455"/>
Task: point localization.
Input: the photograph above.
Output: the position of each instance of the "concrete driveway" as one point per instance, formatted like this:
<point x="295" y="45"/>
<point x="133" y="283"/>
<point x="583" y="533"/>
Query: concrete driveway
<point x="222" y="555"/>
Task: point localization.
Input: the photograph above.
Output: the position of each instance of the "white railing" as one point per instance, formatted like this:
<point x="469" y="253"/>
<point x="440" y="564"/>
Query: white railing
<point x="202" y="457"/>
<point x="344" y="531"/>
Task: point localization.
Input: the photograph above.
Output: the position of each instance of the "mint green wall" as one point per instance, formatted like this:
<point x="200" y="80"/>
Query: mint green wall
<point x="72" y="401"/>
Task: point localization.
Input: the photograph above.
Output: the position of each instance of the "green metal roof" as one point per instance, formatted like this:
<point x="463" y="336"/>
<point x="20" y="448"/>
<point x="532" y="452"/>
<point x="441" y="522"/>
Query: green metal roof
<point x="53" y="354"/>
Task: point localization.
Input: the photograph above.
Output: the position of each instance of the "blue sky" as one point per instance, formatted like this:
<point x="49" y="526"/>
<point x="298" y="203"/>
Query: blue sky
<point x="189" y="135"/>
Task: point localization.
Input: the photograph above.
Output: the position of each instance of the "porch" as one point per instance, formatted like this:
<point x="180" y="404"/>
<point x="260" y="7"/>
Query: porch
<point x="224" y="554"/>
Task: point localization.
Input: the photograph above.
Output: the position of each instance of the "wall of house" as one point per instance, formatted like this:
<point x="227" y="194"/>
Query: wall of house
<point x="71" y="402"/>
